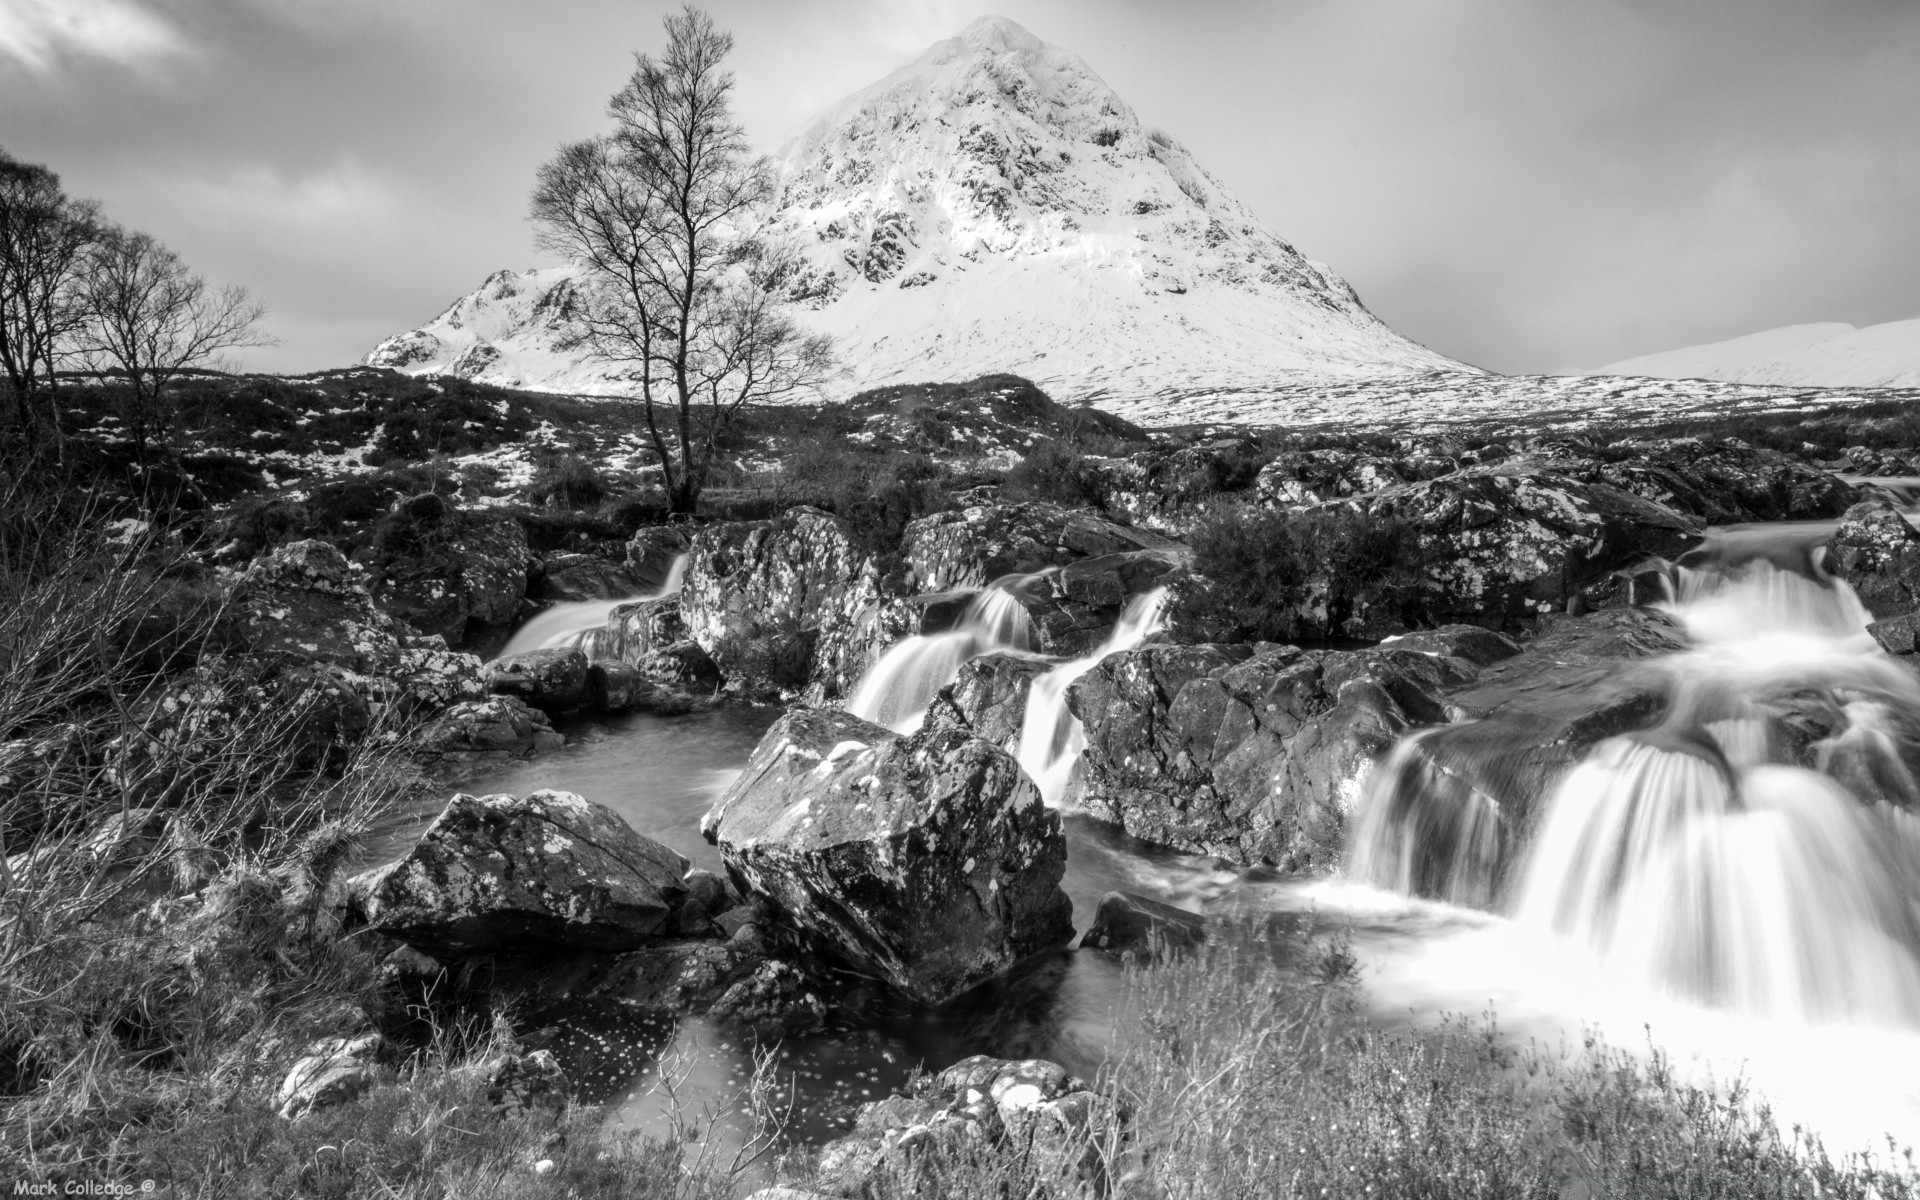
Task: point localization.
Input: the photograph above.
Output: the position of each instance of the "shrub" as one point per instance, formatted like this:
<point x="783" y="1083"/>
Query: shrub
<point x="1262" y="574"/>
<point x="567" y="481"/>
<point x="1054" y="472"/>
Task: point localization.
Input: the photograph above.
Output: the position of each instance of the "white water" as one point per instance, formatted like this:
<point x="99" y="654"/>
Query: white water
<point x="572" y="622"/>
<point x="1051" y="737"/>
<point x="1715" y="885"/>
<point x="896" y="690"/>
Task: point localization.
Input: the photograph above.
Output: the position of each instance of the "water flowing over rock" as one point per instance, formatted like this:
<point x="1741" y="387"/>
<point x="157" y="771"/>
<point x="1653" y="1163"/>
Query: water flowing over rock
<point x="988" y="698"/>
<point x="548" y="871"/>
<point x="1253" y="754"/>
<point x="926" y="861"/>
<point x="896" y="690"/>
<point x="774" y="602"/>
<point x="1051" y="738"/>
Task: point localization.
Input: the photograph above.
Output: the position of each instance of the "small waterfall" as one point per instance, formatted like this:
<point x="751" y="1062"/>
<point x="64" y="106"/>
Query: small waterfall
<point x="574" y="622"/>
<point x="896" y="690"/>
<point x="1051" y="737"/>
<point x="1723" y="856"/>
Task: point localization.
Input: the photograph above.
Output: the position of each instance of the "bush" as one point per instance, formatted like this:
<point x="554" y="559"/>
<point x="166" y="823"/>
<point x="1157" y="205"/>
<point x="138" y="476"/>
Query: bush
<point x="1053" y="472"/>
<point x="1262" y="574"/>
<point x="567" y="481"/>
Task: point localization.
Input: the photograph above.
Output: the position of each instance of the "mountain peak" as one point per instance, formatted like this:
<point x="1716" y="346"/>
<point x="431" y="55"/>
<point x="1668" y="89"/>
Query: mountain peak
<point x="1002" y="34"/>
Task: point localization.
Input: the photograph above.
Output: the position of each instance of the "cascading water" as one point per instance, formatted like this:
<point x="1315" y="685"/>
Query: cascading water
<point x="574" y="622"/>
<point x="896" y="690"/>
<point x="1753" y="850"/>
<point x="1051" y="737"/>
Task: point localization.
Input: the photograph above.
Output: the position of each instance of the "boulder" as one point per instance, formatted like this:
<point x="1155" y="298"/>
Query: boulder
<point x="550" y="871"/>
<point x="1876" y="550"/>
<point x="633" y="630"/>
<point x="1898" y="635"/>
<point x="460" y="575"/>
<point x="1124" y="923"/>
<point x="575" y="577"/>
<point x="989" y="698"/>
<point x="928" y="862"/>
<point x="770" y="602"/>
<point x="972" y="547"/>
<point x="1304" y="478"/>
<point x="614" y="686"/>
<point x="552" y="679"/>
<point x="333" y="1071"/>
<point x="652" y="553"/>
<point x="1255" y="754"/>
<point x="495" y="729"/>
<point x="1507" y="543"/>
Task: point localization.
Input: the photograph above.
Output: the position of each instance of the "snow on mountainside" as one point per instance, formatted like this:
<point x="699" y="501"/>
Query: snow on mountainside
<point x="1824" y="355"/>
<point x="995" y="206"/>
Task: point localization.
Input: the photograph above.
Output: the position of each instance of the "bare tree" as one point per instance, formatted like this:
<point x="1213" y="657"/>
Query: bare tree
<point x="153" y="319"/>
<point x="44" y="240"/>
<point x="675" y="288"/>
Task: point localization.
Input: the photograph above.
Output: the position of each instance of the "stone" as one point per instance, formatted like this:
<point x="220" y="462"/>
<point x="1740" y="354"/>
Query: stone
<point x="1897" y="635"/>
<point x="576" y="577"/>
<point x="771" y="602"/>
<point x="927" y="862"/>
<point x="519" y="1082"/>
<point x="1876" y="551"/>
<point x="1124" y="923"/>
<point x="1303" y="478"/>
<point x="553" y="680"/>
<point x="548" y="871"/>
<point x="614" y="686"/>
<point x="1481" y="647"/>
<point x="988" y="698"/>
<point x="1720" y="481"/>
<point x="653" y="553"/>
<point x="464" y="580"/>
<point x="333" y="1071"/>
<point x="496" y="729"/>
<point x="1255" y="754"/>
<point x="973" y="547"/>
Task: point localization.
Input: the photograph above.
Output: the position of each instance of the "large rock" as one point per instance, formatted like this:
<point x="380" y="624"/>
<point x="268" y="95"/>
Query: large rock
<point x="459" y="575"/>
<point x="550" y="871"/>
<point x="1253" y="754"/>
<point x="988" y="698"/>
<point x="1507" y="543"/>
<point x="304" y="603"/>
<point x="1128" y="924"/>
<point x="496" y="729"/>
<point x="928" y="861"/>
<point x="652" y="553"/>
<point x="1876" y="551"/>
<point x="972" y="547"/>
<point x="770" y="602"/>
<point x="575" y="577"/>
<point x="1721" y="482"/>
<point x="552" y="679"/>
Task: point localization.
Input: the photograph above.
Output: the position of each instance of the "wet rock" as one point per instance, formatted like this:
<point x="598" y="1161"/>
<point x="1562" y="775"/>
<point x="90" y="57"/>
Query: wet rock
<point x="774" y="1000"/>
<point x="334" y="1071"/>
<point x="614" y="686"/>
<point x="989" y="698"/>
<point x="1481" y="647"/>
<point x="634" y="630"/>
<point x="553" y="680"/>
<point x="1510" y="542"/>
<point x="1877" y="552"/>
<point x="771" y="602"/>
<point x="973" y="547"/>
<point x="1897" y="635"/>
<point x="1128" y="924"/>
<point x="550" y="871"/>
<point x="928" y="862"/>
<point x="572" y="577"/>
<point x="1067" y="1131"/>
<point x="1253" y="754"/>
<point x="652" y="552"/>
<point x="498" y="728"/>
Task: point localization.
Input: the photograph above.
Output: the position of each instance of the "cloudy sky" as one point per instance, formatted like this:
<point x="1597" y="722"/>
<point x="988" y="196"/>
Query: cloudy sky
<point x="1530" y="185"/>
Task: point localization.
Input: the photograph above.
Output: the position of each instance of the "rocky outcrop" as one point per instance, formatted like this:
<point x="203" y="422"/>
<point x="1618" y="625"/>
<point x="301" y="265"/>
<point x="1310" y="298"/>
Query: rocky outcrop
<point x="988" y="699"/>
<point x="771" y="602"/>
<point x="927" y="862"/>
<point x="574" y="577"/>
<point x="458" y="575"/>
<point x="652" y="552"/>
<point x="1163" y="489"/>
<point x="1252" y="753"/>
<point x="1128" y="924"/>
<point x="1303" y="478"/>
<point x="1877" y="552"/>
<point x="1721" y="481"/>
<point x="304" y="604"/>
<point x="553" y="680"/>
<point x="496" y="729"/>
<point x="971" y="547"/>
<point x="549" y="871"/>
<point x="1068" y="1132"/>
<point x="1507" y="543"/>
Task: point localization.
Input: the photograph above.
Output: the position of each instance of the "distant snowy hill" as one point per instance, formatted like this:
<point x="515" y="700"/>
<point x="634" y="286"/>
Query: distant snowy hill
<point x="995" y="206"/>
<point x="1823" y="355"/>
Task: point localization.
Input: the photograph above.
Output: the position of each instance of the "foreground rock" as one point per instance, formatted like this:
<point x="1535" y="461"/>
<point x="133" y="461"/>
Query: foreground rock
<point x="496" y="729"/>
<point x="1877" y="552"/>
<point x="548" y="872"/>
<point x="333" y="1071"/>
<point x="928" y="862"/>
<point x="553" y="680"/>
<point x="1069" y="1132"/>
<point x="1128" y="924"/>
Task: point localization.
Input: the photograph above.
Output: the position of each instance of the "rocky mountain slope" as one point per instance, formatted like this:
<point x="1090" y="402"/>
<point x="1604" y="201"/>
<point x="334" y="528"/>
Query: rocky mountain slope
<point x="1828" y="354"/>
<point x="995" y="206"/>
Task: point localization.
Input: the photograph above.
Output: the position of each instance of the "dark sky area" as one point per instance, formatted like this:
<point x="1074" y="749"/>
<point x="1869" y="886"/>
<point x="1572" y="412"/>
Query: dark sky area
<point x="1530" y="185"/>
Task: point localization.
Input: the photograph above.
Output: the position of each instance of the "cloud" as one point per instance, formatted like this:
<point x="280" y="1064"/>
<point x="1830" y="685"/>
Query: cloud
<point x="42" y="35"/>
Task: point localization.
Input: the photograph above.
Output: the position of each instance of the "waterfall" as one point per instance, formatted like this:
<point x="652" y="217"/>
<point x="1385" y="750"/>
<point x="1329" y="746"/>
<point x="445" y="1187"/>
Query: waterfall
<point x="896" y="690"/>
<point x="1724" y="856"/>
<point x="574" y="622"/>
<point x="1051" y="737"/>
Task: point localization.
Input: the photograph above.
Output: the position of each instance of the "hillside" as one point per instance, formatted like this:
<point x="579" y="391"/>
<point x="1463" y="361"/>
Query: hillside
<point x="1829" y="354"/>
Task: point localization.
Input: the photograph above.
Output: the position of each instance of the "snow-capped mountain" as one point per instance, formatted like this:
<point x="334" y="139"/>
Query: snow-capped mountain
<point x="995" y="206"/>
<point x="1829" y="354"/>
